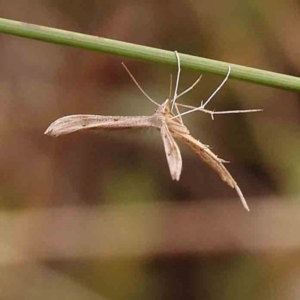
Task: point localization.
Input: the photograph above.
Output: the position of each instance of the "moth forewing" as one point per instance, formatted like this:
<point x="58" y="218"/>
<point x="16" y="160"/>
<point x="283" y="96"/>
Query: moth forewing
<point x="172" y="152"/>
<point x="73" y="123"/>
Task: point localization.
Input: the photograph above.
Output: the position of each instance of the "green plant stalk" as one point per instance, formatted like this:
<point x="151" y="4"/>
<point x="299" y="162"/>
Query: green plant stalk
<point x="149" y="54"/>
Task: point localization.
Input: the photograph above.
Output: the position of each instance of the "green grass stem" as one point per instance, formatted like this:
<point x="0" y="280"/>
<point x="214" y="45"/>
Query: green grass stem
<point x="139" y="52"/>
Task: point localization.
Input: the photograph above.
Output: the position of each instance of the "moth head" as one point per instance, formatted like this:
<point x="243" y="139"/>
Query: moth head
<point x="164" y="108"/>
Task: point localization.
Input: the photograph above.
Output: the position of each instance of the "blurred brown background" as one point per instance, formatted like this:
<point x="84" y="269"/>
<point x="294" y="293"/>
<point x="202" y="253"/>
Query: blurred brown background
<point x="97" y="216"/>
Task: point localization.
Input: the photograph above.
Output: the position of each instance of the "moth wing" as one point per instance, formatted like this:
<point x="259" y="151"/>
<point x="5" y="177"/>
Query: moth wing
<point x="214" y="162"/>
<point x="172" y="153"/>
<point x="73" y="123"/>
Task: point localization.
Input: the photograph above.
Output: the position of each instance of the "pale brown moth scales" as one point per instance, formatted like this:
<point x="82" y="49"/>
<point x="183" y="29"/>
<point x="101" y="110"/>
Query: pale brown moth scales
<point x="170" y="125"/>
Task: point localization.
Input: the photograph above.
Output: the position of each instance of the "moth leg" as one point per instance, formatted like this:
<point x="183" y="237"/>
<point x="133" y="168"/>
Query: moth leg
<point x="178" y="114"/>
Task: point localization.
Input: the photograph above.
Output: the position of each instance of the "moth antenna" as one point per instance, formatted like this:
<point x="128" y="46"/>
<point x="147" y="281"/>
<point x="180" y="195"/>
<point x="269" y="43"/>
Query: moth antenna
<point x="177" y="80"/>
<point x="139" y="87"/>
<point x="190" y="88"/>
